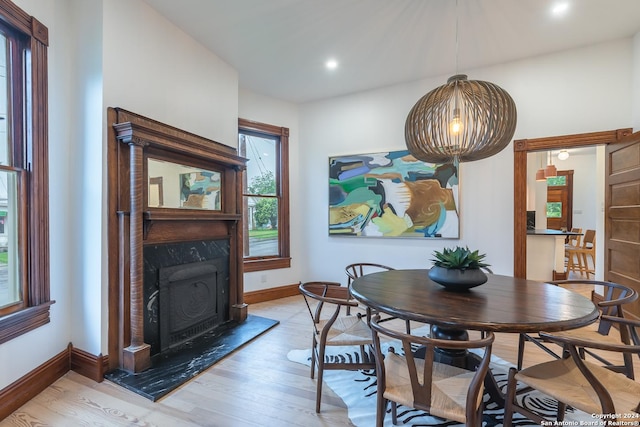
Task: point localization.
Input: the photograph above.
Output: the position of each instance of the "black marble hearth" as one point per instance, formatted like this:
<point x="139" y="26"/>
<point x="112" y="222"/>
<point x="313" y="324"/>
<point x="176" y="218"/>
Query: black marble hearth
<point x="177" y="365"/>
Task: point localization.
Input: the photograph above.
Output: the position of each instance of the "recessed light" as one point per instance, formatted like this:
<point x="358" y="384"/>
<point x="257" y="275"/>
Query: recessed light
<point x="560" y="8"/>
<point x="331" y="64"/>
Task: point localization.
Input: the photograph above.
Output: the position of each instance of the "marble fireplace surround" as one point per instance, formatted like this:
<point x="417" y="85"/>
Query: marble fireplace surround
<point x="135" y="229"/>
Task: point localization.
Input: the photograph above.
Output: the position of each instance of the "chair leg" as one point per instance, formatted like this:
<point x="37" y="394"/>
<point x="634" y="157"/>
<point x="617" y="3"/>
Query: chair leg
<point x="381" y="410"/>
<point x="510" y="398"/>
<point x="313" y="357"/>
<point x="521" y="342"/>
<point x="320" y="379"/>
<point x="394" y="413"/>
<point x="562" y="408"/>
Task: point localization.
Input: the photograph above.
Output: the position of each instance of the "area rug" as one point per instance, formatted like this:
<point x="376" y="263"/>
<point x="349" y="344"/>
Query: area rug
<point x="358" y="391"/>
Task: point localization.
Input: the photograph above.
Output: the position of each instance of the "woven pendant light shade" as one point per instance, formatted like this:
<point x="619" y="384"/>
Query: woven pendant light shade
<point x="461" y="121"/>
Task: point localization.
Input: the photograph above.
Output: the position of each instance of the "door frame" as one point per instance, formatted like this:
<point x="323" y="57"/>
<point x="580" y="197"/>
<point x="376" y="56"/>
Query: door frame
<point x="521" y="148"/>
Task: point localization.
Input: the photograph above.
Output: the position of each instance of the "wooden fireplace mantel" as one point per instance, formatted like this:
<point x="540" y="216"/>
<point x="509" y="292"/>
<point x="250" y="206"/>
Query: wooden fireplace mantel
<point x="132" y="139"/>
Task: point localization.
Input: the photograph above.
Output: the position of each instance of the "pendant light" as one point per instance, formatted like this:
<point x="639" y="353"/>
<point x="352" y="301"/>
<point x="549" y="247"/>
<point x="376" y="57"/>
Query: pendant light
<point x="463" y="120"/>
<point x="550" y="171"/>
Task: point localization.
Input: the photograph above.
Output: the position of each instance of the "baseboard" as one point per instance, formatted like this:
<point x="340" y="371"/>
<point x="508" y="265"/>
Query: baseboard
<point x="87" y="364"/>
<point x="26" y="388"/>
<point x="29" y="386"/>
<point x="271" y="294"/>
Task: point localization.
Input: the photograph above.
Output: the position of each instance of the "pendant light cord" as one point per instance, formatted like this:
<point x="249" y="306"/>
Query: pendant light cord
<point x="457" y="18"/>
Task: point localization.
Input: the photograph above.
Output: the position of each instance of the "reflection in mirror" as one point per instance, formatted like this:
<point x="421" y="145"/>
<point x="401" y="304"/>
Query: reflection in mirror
<point x="173" y="185"/>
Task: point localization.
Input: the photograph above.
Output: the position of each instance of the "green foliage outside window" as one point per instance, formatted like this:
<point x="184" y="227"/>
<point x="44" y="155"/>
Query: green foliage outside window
<point x="554" y="210"/>
<point x="266" y="208"/>
<point x="557" y="181"/>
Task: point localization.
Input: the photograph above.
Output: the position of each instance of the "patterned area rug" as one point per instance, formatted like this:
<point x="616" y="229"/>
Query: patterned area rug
<point x="358" y="391"/>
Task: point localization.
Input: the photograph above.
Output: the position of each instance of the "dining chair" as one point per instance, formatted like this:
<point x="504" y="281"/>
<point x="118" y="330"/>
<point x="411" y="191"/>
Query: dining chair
<point x="326" y="302"/>
<point x="573" y="241"/>
<point x="580" y="254"/>
<point x="573" y="381"/>
<point x="614" y="297"/>
<point x="359" y="269"/>
<point x="438" y="388"/>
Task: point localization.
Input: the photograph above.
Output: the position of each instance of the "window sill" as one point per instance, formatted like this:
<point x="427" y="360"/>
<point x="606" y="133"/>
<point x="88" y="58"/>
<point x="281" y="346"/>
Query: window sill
<point x="266" y="264"/>
<point x="23" y="321"/>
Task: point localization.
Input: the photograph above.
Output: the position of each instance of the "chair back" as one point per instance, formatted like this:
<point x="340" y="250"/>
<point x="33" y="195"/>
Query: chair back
<point x="614" y="296"/>
<point x="322" y="293"/>
<point x="422" y="372"/>
<point x="575" y="239"/>
<point x="589" y="239"/>
<point x="359" y="269"/>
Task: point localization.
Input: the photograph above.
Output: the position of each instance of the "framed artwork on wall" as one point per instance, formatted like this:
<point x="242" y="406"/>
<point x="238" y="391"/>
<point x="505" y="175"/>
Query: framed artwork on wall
<point x="392" y="194"/>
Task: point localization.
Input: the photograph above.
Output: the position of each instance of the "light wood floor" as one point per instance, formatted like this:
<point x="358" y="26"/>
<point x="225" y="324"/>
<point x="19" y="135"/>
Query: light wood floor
<point x="255" y="386"/>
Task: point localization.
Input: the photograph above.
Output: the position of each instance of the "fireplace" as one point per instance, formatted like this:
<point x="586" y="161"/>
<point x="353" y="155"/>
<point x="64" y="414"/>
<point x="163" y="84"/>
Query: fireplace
<point x="175" y="268"/>
<point x="186" y="287"/>
<point x="189" y="302"/>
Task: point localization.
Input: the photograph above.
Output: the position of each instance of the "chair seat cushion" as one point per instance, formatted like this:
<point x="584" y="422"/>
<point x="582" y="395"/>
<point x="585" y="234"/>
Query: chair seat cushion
<point x="448" y="390"/>
<point x="347" y="330"/>
<point x="562" y="380"/>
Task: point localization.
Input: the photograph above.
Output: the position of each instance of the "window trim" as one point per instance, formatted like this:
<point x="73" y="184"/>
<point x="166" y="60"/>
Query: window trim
<point x="35" y="220"/>
<point x="283" y="260"/>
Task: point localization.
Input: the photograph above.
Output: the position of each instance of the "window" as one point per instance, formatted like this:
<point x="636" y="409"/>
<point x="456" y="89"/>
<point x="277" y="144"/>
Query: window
<point x="24" y="208"/>
<point x="265" y="195"/>
<point x="555" y="181"/>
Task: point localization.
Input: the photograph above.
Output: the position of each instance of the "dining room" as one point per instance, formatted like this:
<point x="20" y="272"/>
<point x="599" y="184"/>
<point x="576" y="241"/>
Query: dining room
<point x="182" y="65"/>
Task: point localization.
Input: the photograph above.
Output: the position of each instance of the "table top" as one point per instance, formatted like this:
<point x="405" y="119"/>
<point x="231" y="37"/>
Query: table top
<point x="502" y="304"/>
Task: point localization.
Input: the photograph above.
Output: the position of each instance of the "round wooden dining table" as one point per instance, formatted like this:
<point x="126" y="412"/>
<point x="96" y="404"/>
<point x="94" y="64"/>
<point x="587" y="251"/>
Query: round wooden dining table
<point x="502" y="304"/>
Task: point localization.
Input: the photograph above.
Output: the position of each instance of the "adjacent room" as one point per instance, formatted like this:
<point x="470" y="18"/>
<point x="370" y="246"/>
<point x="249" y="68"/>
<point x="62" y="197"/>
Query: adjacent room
<point x="319" y="213"/>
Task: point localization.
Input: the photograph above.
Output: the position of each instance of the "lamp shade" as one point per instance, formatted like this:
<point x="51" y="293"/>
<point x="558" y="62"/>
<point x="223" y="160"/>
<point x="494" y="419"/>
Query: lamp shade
<point x="461" y="121"/>
<point x="550" y="171"/>
<point x="540" y="175"/>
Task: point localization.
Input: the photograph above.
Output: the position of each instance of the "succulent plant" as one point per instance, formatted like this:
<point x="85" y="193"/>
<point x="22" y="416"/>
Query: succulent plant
<point x="459" y="258"/>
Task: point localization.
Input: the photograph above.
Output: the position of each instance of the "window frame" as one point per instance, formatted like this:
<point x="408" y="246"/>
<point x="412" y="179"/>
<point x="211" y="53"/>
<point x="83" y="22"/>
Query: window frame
<point x="30" y="155"/>
<point x="283" y="259"/>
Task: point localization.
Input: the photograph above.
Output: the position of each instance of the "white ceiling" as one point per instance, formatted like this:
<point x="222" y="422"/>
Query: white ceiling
<point x="279" y="47"/>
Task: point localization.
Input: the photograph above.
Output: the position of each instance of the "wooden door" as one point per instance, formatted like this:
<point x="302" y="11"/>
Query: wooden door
<point x="561" y="196"/>
<point x="622" y="207"/>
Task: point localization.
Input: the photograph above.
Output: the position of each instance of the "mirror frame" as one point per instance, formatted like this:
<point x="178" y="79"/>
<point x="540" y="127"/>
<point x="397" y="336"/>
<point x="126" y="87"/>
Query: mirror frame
<point x="521" y="148"/>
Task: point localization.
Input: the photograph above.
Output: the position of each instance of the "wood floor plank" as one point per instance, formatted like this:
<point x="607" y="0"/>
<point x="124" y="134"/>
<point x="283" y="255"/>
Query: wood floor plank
<point x="254" y="386"/>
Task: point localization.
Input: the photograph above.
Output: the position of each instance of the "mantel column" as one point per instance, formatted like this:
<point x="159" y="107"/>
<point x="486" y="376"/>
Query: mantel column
<point x="136" y="357"/>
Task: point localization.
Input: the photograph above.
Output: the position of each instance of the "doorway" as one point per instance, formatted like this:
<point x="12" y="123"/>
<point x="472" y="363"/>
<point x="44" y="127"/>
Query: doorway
<point x="521" y="148"/>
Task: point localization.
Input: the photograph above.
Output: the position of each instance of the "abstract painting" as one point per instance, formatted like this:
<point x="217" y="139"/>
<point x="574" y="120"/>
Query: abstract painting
<point x="391" y="194"/>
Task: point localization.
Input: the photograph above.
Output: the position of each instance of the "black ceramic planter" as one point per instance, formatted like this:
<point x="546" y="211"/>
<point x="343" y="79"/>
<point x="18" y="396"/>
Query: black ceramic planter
<point x="457" y="280"/>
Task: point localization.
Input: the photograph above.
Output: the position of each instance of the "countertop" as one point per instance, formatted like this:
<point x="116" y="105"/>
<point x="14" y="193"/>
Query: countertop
<point x="548" y="232"/>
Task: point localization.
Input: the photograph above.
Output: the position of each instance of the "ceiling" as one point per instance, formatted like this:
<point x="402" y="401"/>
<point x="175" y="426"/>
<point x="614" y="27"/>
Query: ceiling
<point x="279" y="47"/>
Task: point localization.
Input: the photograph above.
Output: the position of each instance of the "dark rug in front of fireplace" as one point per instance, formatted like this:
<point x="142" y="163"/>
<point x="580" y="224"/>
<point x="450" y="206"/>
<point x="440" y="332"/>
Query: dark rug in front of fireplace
<point x="174" y="367"/>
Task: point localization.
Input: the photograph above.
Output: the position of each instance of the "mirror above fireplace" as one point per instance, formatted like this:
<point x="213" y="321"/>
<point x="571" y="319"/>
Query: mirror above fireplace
<point x="173" y="185"/>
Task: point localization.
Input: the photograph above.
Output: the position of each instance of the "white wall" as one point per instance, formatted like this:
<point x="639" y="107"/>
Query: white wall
<point x="259" y="108"/>
<point x="569" y="92"/>
<point x="154" y="69"/>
